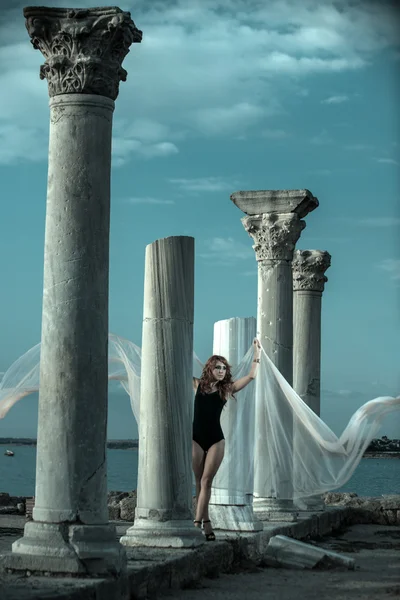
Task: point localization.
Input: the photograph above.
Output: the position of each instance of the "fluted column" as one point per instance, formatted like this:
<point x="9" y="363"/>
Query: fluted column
<point x="229" y="509"/>
<point x="163" y="515"/>
<point x="274" y="221"/>
<point x="309" y="279"/>
<point x="84" y="50"/>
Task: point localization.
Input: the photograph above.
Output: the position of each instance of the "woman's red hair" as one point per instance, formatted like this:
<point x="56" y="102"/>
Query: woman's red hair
<point x="224" y="387"/>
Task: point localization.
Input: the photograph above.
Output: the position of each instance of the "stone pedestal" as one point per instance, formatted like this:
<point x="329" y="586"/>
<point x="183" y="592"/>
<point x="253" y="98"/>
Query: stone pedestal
<point x="163" y="515"/>
<point x="228" y="508"/>
<point x="274" y="222"/>
<point x="309" y="279"/>
<point x="70" y="531"/>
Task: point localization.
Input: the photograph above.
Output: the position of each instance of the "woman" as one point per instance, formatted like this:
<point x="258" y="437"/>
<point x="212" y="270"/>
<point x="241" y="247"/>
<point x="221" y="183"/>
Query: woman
<point x="212" y="392"/>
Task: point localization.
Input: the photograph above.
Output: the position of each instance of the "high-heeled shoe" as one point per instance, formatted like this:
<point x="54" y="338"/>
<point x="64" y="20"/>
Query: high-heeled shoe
<point x="210" y="537"/>
<point x="197" y="522"/>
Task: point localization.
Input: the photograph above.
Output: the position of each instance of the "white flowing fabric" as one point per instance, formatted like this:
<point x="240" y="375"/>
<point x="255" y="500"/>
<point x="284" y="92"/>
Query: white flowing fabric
<point x="321" y="461"/>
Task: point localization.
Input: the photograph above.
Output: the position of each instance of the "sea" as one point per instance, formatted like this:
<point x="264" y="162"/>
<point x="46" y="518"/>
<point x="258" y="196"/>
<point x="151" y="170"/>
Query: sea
<point x="372" y="477"/>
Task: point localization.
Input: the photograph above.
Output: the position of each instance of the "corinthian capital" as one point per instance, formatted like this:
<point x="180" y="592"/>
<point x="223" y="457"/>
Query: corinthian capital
<point x="275" y="235"/>
<point x="84" y="48"/>
<point x="309" y="267"/>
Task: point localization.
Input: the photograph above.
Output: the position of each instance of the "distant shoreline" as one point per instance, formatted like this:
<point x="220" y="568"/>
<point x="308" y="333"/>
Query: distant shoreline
<point x="112" y="444"/>
<point x="134" y="444"/>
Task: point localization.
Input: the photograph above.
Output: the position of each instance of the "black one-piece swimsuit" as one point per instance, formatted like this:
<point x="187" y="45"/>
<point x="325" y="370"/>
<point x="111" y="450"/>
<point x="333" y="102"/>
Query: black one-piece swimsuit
<point x="206" y="422"/>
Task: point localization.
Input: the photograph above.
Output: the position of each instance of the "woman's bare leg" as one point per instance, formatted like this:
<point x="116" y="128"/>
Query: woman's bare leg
<point x="198" y="459"/>
<point x="211" y="465"/>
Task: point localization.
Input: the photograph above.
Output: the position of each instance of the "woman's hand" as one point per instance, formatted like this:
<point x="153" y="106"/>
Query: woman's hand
<point x="256" y="348"/>
<point x="243" y="381"/>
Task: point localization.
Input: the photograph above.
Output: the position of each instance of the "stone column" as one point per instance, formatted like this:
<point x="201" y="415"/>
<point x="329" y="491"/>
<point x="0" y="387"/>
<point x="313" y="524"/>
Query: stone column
<point x="309" y="279"/>
<point x="274" y="222"/>
<point x="163" y="516"/>
<point x="84" y="50"/>
<point x="230" y="509"/>
<point x="309" y="267"/>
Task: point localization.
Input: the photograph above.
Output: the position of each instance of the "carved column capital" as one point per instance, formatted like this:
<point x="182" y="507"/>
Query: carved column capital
<point x="275" y="235"/>
<point x="309" y="267"/>
<point x="84" y="48"/>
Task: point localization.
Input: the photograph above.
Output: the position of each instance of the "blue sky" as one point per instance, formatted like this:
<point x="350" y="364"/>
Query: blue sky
<point x="223" y="96"/>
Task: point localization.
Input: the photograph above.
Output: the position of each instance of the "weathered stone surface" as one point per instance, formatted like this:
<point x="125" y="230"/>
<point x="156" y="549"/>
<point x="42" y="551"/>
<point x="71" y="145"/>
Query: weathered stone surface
<point x="11" y="504"/>
<point x="286" y="552"/>
<point x="114" y="511"/>
<point x="255" y="202"/>
<point x="71" y="480"/>
<point x="11" y="509"/>
<point x="84" y="48"/>
<point x="309" y="267"/>
<point x="118" y="496"/>
<point x="339" y="497"/>
<point x="274" y="223"/>
<point x="275" y="235"/>
<point x="163" y="515"/>
<point x="127" y="508"/>
<point x="383" y="510"/>
<point x="5" y="499"/>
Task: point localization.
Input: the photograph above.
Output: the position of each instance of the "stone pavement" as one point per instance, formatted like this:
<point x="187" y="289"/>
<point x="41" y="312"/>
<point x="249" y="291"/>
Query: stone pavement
<point x="375" y="549"/>
<point x="153" y="572"/>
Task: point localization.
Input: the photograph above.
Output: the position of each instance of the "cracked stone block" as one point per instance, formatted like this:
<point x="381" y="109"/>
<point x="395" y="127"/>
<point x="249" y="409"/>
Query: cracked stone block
<point x="5" y="499"/>
<point x="283" y="551"/>
<point x="114" y="511"/>
<point x="127" y="509"/>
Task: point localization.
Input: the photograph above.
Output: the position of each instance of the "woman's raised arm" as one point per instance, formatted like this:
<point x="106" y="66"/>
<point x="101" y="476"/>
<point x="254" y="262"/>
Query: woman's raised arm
<point x="243" y="381"/>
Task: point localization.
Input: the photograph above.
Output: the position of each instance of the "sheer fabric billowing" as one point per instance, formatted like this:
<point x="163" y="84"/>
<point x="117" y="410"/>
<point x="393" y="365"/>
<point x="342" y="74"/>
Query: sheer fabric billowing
<point x="124" y="365"/>
<point x="320" y="460"/>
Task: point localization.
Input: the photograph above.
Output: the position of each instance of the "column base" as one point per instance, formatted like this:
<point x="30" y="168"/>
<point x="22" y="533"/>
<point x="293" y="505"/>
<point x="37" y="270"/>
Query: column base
<point x="163" y="534"/>
<point x="275" y="509"/>
<point x="234" y="517"/>
<point x="67" y="548"/>
<point x="311" y="504"/>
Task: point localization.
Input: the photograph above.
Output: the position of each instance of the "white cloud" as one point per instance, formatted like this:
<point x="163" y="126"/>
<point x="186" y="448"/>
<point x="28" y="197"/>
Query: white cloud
<point x="226" y="250"/>
<point x="147" y="200"/>
<point x="335" y="100"/>
<point x="123" y="148"/>
<point x="145" y="138"/>
<point x="215" y="67"/>
<point x="387" y="161"/>
<point x="283" y="63"/>
<point x="391" y="266"/>
<point x="225" y="119"/>
<point x="147" y="130"/>
<point x="204" y="184"/>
